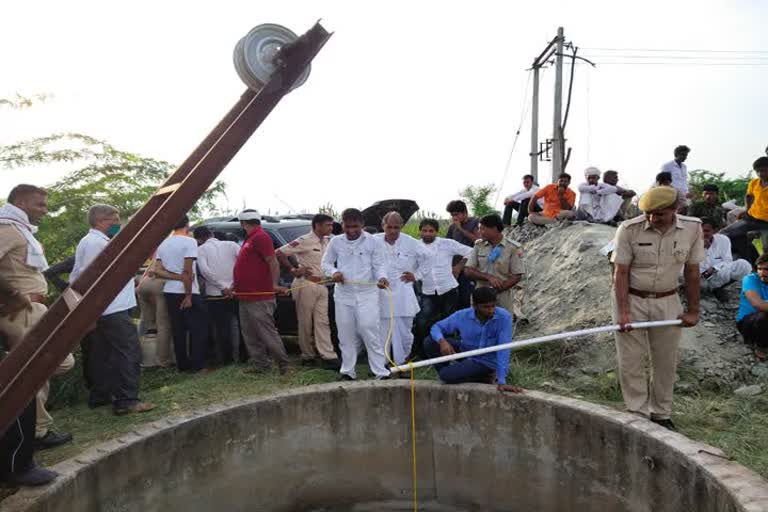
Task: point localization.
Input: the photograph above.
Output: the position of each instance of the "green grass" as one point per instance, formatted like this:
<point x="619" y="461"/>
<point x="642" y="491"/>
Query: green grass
<point x="738" y="426"/>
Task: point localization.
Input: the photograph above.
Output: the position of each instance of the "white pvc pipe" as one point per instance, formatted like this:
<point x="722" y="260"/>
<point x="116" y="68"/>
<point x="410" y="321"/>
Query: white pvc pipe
<point x="532" y="341"/>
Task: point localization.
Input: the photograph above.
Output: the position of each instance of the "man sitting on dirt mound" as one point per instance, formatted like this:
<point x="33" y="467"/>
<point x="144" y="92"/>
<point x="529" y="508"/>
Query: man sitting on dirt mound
<point x="559" y="201"/>
<point x="482" y="325"/>
<point x="752" y="320"/>
<point x="650" y="252"/>
<point x="719" y="268"/>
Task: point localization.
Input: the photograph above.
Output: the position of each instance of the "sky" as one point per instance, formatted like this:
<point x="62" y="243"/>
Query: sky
<point x="408" y="100"/>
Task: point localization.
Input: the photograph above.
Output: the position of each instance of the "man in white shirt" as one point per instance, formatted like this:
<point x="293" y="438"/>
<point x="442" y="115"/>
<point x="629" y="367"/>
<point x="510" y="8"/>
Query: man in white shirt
<point x="357" y="257"/>
<point x="439" y="296"/>
<point x="175" y="261"/>
<point x="602" y="202"/>
<point x="719" y="268"/>
<point x="406" y="262"/>
<point x="519" y="202"/>
<point x="215" y="262"/>
<point x="679" y="172"/>
<point x="112" y="352"/>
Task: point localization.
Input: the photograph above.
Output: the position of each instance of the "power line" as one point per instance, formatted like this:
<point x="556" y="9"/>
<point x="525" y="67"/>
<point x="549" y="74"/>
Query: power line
<point x="748" y="64"/>
<point x="683" y="57"/>
<point x="524" y="109"/>
<point x="674" y="51"/>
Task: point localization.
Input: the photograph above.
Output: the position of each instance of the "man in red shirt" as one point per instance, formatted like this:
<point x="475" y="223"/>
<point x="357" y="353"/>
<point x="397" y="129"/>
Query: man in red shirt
<point x="559" y="201"/>
<point x="255" y="283"/>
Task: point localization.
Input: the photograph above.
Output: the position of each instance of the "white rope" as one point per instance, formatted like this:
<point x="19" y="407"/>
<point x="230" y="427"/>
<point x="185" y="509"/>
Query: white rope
<point x="532" y="341"/>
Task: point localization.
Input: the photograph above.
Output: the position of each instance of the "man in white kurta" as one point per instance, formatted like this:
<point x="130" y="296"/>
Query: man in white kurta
<point x="350" y="258"/>
<point x="719" y="268"/>
<point x="406" y="262"/>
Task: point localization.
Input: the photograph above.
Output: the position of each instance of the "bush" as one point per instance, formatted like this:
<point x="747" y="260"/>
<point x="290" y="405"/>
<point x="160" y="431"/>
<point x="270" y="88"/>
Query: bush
<point x="730" y="188"/>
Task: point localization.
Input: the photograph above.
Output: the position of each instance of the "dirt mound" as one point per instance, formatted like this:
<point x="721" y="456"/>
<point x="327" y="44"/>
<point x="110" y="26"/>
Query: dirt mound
<point x="568" y="288"/>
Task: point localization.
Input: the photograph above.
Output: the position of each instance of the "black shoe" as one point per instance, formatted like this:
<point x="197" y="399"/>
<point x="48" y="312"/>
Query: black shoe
<point x="346" y="378"/>
<point x="383" y="377"/>
<point x="308" y="362"/>
<point x="33" y="477"/>
<point x="52" y="439"/>
<point x="666" y="423"/>
<point x="282" y="369"/>
<point x="330" y="364"/>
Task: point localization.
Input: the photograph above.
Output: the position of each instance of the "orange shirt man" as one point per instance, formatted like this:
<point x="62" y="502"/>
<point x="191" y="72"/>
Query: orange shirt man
<point x="559" y="201"/>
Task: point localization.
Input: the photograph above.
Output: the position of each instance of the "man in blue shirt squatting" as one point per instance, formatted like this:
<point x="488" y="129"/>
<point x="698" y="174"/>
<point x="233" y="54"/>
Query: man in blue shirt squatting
<point x="482" y="325"/>
<point x="752" y="319"/>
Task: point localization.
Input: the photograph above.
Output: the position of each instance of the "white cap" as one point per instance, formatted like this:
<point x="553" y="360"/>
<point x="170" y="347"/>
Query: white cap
<point x="249" y="215"/>
<point x="591" y="171"/>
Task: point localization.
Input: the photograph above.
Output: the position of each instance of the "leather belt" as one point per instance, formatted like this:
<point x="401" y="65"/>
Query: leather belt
<point x="651" y="295"/>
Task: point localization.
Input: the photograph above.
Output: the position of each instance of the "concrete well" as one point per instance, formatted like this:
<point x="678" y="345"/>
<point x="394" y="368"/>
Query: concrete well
<point x="328" y="447"/>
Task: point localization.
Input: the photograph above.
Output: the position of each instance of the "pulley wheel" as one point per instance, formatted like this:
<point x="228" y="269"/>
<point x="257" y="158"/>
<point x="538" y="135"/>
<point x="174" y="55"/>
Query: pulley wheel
<point x="255" y="55"/>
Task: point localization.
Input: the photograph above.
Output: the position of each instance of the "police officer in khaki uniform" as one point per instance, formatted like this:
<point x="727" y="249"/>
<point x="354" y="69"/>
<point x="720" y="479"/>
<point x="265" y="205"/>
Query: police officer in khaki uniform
<point x="311" y="300"/>
<point x="650" y="251"/>
<point x="497" y="262"/>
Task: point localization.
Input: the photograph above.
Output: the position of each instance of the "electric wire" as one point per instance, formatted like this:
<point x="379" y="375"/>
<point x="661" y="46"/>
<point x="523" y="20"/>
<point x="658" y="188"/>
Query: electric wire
<point x="670" y="50"/>
<point x="524" y="108"/>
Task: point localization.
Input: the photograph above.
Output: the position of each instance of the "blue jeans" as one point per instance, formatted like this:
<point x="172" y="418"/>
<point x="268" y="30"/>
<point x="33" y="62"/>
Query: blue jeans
<point x="464" y="370"/>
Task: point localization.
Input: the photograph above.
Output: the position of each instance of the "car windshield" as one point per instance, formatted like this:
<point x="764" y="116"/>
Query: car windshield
<point x="291" y="233"/>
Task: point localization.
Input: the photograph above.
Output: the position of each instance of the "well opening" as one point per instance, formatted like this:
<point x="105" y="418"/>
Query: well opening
<point x="336" y="448"/>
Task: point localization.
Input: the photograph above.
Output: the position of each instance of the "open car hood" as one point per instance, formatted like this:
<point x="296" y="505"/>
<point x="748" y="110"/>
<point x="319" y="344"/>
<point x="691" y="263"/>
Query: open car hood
<point x="373" y="215"/>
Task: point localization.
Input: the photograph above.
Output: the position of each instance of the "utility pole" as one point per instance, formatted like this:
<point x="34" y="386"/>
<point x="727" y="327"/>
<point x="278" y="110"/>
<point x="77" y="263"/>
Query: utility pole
<point x="558" y="144"/>
<point x="535" y="124"/>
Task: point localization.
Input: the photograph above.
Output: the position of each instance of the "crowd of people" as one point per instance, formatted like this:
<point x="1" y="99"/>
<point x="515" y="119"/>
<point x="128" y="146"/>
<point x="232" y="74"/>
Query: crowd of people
<point x="209" y="301"/>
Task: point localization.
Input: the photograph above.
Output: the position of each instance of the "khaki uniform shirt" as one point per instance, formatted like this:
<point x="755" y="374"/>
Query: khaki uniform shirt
<point x="656" y="259"/>
<point x="509" y="263"/>
<point x="309" y="250"/>
<point x="13" y="263"/>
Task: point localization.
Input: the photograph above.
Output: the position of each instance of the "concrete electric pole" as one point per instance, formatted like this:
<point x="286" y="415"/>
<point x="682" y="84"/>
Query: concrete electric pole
<point x="558" y="144"/>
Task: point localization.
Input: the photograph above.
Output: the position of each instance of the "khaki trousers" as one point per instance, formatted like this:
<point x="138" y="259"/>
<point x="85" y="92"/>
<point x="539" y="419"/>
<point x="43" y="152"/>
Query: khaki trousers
<point x="15" y="330"/>
<point x="257" y="321"/>
<point x="154" y="313"/>
<point x="649" y="395"/>
<point x="314" y="326"/>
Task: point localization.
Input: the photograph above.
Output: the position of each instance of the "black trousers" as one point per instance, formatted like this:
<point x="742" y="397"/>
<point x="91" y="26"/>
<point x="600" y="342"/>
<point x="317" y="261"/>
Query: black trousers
<point x="433" y="309"/>
<point x="17" y="443"/>
<point x="223" y="317"/>
<point x="522" y="212"/>
<point x="754" y="328"/>
<point x="737" y="232"/>
<point x="193" y="322"/>
<point x="114" y="360"/>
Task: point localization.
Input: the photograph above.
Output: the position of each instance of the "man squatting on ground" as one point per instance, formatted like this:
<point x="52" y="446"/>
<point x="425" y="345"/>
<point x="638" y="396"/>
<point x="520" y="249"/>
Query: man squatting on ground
<point x="650" y="252"/>
<point x="406" y="262"/>
<point x="311" y="300"/>
<point x="356" y="256"/>
<point x="752" y="319"/>
<point x="114" y="353"/>
<point x="482" y="325"/>
<point x="719" y="268"/>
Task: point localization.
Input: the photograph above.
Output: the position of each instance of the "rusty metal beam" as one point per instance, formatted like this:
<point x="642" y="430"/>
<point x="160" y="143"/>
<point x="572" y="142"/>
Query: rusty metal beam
<point x="34" y="360"/>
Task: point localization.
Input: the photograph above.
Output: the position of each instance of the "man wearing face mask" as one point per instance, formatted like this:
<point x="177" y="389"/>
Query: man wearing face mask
<point x="113" y="351"/>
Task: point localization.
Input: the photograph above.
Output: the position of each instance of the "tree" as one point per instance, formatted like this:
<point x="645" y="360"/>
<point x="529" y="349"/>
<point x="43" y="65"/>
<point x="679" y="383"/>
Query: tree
<point x="478" y="199"/>
<point x="100" y="173"/>
<point x="730" y="188"/>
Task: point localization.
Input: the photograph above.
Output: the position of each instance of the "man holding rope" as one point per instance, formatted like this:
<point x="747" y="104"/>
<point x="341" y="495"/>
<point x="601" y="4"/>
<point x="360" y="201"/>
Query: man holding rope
<point x="650" y="252"/>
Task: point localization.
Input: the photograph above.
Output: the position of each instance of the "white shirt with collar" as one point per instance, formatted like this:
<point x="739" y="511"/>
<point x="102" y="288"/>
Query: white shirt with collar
<point x="405" y="255"/>
<point x="216" y="262"/>
<point x="360" y="260"/>
<point x="442" y="251"/>
<point x="679" y="174"/>
<point x="172" y="253"/>
<point x="718" y="253"/>
<point x="88" y="249"/>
